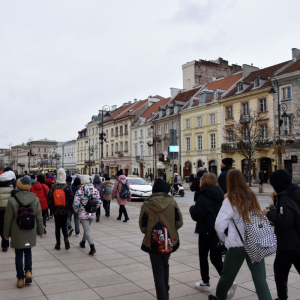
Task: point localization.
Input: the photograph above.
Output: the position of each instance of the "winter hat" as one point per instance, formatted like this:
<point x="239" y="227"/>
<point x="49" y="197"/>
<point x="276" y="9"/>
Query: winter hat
<point x="107" y="178"/>
<point x="85" y="179"/>
<point x="61" y="176"/>
<point x="201" y="173"/>
<point x="78" y="176"/>
<point x="24" y="183"/>
<point x="77" y="181"/>
<point x="69" y="178"/>
<point x="97" y="178"/>
<point x="161" y="186"/>
<point x="228" y="161"/>
<point x="40" y="178"/>
<point x="120" y="172"/>
<point x="280" y="180"/>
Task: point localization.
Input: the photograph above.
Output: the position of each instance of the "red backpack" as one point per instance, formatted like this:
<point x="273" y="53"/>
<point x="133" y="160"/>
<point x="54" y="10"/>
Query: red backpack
<point x="60" y="200"/>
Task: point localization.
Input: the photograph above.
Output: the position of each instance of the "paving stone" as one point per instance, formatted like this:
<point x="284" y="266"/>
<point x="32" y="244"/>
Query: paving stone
<point x="117" y="290"/>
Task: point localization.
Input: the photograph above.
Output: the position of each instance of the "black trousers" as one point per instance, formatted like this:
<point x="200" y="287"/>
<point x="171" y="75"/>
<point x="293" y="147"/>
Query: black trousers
<point x="160" y="269"/>
<point x="106" y="206"/>
<point x="45" y="214"/>
<point x="4" y="242"/>
<point x="98" y="211"/>
<point x="61" y="223"/>
<point x="282" y="265"/>
<point x="123" y="210"/>
<point x="215" y="257"/>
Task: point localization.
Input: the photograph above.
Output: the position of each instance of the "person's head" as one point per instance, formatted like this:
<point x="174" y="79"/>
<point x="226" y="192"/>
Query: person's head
<point x="77" y="181"/>
<point x="120" y="172"/>
<point x="107" y="178"/>
<point x="201" y="173"/>
<point x="40" y="179"/>
<point x="8" y="168"/>
<point x="97" y="179"/>
<point x="25" y="172"/>
<point x="61" y="176"/>
<point x="208" y="179"/>
<point x="47" y="175"/>
<point x="280" y="180"/>
<point x="32" y="177"/>
<point x="85" y="179"/>
<point x="69" y="179"/>
<point x="24" y="184"/>
<point x="161" y="186"/>
<point x="227" y="162"/>
<point x="200" y="169"/>
<point x="176" y="174"/>
<point x="240" y="195"/>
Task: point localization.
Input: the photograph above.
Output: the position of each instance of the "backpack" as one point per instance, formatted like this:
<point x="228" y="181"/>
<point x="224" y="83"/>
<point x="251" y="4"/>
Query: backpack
<point x="91" y="205"/>
<point x="108" y="190"/>
<point x="60" y="200"/>
<point x="260" y="240"/>
<point x="125" y="193"/>
<point x="161" y="242"/>
<point x="25" y="216"/>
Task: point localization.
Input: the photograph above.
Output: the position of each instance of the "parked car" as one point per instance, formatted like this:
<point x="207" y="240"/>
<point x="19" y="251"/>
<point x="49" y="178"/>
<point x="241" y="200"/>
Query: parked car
<point x="139" y="188"/>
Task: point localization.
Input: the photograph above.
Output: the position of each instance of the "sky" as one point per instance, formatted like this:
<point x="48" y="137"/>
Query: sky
<point x="62" y="60"/>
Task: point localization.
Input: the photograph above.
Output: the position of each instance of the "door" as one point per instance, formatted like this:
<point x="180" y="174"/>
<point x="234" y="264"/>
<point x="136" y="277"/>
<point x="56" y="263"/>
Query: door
<point x="187" y="169"/>
<point x="266" y="167"/>
<point x="213" y="167"/>
<point x="288" y="166"/>
<point x="142" y="171"/>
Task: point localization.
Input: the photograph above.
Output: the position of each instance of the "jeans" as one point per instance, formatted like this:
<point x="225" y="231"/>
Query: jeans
<point x="282" y="265"/>
<point x="234" y="259"/>
<point x="61" y="223"/>
<point x="76" y="221"/>
<point x="19" y="262"/>
<point x="106" y="206"/>
<point x="160" y="268"/>
<point x="215" y="257"/>
<point x="87" y="235"/>
<point x="45" y="214"/>
<point x="4" y="242"/>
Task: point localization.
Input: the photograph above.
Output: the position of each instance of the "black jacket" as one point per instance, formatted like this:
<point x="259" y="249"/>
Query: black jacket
<point x="195" y="186"/>
<point x="222" y="178"/>
<point x="286" y="219"/>
<point x="261" y="176"/>
<point x="206" y="209"/>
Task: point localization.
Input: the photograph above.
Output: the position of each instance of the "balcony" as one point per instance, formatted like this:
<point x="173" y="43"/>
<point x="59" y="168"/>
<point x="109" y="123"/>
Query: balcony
<point x="161" y="158"/>
<point x="245" y="118"/>
<point x="139" y="158"/>
<point x="231" y="147"/>
<point x="120" y="153"/>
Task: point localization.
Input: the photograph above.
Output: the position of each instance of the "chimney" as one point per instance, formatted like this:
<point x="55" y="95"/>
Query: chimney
<point x="175" y="92"/>
<point x="248" y="69"/>
<point x="295" y="53"/>
<point x="135" y="100"/>
<point x="113" y="107"/>
<point x="124" y="104"/>
<point x="129" y="102"/>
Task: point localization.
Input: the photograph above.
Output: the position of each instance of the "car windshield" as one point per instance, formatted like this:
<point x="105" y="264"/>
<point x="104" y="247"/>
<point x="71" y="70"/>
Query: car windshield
<point x="137" y="181"/>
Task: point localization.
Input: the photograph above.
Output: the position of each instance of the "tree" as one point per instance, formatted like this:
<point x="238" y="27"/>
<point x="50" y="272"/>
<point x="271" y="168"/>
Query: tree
<point x="248" y="137"/>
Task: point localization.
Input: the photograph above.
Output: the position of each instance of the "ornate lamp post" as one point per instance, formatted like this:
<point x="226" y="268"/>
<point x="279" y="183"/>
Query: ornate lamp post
<point x="155" y="139"/>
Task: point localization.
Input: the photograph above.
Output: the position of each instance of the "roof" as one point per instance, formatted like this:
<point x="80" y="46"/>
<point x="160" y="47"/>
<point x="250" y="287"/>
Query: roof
<point x="295" y="66"/>
<point x="45" y="141"/>
<point x="132" y="109"/>
<point x="185" y="96"/>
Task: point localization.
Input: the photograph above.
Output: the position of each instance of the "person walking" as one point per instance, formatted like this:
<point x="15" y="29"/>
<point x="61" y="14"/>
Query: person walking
<point x="7" y="184"/>
<point x="204" y="212"/>
<point x="192" y="177"/>
<point x="81" y="200"/>
<point x="226" y="166"/>
<point x="165" y="176"/>
<point x="49" y="182"/>
<point x="232" y="215"/>
<point x="121" y="184"/>
<point x="63" y="200"/>
<point x="100" y="187"/>
<point x="108" y="188"/>
<point x="287" y="228"/>
<point x="23" y="240"/>
<point x="41" y="190"/>
<point x="160" y="207"/>
<point x="151" y="176"/>
<point x="261" y="177"/>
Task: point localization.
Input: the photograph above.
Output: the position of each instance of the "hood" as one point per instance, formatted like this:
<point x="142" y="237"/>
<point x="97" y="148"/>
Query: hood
<point x="214" y="193"/>
<point x="61" y="176"/>
<point x="122" y="177"/>
<point x="158" y="202"/>
<point x="8" y="175"/>
<point x="201" y="173"/>
<point x="280" y="180"/>
<point x="161" y="186"/>
<point x="49" y="180"/>
<point x="25" y="198"/>
<point x="37" y="186"/>
<point x="107" y="182"/>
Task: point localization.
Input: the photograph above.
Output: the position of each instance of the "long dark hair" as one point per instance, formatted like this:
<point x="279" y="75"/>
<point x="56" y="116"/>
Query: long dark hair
<point x="208" y="179"/>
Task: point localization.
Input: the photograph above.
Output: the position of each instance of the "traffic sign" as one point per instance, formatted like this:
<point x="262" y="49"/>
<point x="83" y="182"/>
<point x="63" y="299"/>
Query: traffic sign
<point x="174" y="148"/>
<point x="165" y="153"/>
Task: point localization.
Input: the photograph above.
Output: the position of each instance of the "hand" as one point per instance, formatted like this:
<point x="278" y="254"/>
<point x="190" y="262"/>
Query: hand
<point x="273" y="194"/>
<point x="6" y="238"/>
<point x="41" y="236"/>
<point x="225" y="196"/>
<point x="194" y="203"/>
<point x="265" y="211"/>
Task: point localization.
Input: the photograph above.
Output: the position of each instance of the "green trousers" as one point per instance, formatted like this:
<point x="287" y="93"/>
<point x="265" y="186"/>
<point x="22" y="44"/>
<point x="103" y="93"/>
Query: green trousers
<point x="233" y="261"/>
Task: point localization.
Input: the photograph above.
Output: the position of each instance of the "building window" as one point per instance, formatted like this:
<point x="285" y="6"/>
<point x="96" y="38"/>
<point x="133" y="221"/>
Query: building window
<point x="135" y="150"/>
<point x="199" y="121"/>
<point x="149" y="131"/>
<point x="45" y="149"/>
<point x="159" y="148"/>
<point x="96" y="129"/>
<point x="106" y="150"/>
<point x="117" y="147"/>
<point x="174" y="125"/>
<point x="39" y="149"/>
<point x="245" y="134"/>
<point x="287" y="125"/>
<point x="81" y="156"/>
<point x="175" y="109"/>
<point x="112" y="149"/>
<point x="135" y="134"/>
<point x="121" y="130"/>
<point x="126" y="129"/>
<point x="199" y="138"/>
<point x="126" y="146"/>
<point x="187" y="124"/>
<point x="212" y="120"/>
<point x="188" y="144"/>
<point x="286" y="93"/>
<point x="96" y="154"/>
<point x="78" y="157"/>
<point x="121" y="146"/>
<point x="256" y="82"/>
<point x="159" y="129"/>
<point x="229" y="112"/>
<point x="240" y="87"/>
<point x="167" y="128"/>
<point x="229" y="136"/>
<point x="92" y="130"/>
<point x="106" y="134"/>
<point x="264" y="132"/>
<point x="142" y="133"/>
<point x="263" y="105"/>
<point x="166" y="147"/>
<point x="84" y="156"/>
<point x="89" y="131"/>
<point x="245" y="108"/>
<point x="213" y="141"/>
<point x="112" y="132"/>
<point x="116" y="131"/>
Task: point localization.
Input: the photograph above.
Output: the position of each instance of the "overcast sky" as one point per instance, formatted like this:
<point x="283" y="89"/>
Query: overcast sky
<point x="62" y="60"/>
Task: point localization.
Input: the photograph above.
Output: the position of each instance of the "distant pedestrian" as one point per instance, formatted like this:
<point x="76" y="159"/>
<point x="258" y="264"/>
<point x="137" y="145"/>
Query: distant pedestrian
<point x="100" y="187"/>
<point x="161" y="239"/>
<point x="49" y="182"/>
<point x="33" y="179"/>
<point x="261" y="177"/>
<point x="226" y="166"/>
<point x="151" y="176"/>
<point x="165" y="176"/>
<point x="108" y="188"/>
<point x="192" y="177"/>
<point x="23" y="240"/>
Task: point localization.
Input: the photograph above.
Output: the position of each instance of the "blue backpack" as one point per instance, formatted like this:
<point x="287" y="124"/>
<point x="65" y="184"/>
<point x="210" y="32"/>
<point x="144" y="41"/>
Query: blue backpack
<point x="125" y="193"/>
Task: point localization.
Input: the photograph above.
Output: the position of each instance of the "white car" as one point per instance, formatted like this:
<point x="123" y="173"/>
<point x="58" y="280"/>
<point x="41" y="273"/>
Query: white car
<point x="139" y="188"/>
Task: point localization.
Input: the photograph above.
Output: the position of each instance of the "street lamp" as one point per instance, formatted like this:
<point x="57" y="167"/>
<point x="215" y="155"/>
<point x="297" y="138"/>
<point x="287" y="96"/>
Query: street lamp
<point x="155" y="139"/>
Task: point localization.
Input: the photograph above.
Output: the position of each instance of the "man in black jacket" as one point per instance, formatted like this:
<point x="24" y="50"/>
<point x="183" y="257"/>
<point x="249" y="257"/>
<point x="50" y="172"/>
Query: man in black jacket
<point x="195" y="187"/>
<point x="226" y="166"/>
<point x="286" y="219"/>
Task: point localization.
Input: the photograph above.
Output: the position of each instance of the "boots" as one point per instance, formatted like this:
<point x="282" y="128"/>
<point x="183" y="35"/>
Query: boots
<point x="57" y="246"/>
<point x="120" y="214"/>
<point x="125" y="214"/>
<point x="93" y="250"/>
<point x="97" y="219"/>
<point x="28" y="277"/>
<point x="67" y="244"/>
<point x="20" y="283"/>
<point x="82" y="244"/>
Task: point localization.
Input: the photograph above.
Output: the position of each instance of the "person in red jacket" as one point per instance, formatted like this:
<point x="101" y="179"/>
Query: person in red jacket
<point x="41" y="190"/>
<point x="49" y="182"/>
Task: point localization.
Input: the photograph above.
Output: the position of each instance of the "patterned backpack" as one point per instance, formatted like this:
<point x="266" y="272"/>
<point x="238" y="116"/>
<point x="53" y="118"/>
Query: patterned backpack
<point x="124" y="193"/>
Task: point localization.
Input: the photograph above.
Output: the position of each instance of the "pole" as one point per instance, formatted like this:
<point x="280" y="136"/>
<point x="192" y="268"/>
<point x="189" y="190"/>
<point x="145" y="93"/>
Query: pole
<point x="279" y="155"/>
<point x="101" y="161"/>
<point x="173" y="176"/>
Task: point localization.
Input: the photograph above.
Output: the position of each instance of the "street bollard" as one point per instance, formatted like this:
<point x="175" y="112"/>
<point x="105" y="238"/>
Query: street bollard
<point x="260" y="189"/>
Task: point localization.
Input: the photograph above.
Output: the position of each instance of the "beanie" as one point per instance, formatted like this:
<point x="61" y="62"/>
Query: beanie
<point x="77" y="181"/>
<point x="120" y="172"/>
<point x="201" y="173"/>
<point x="61" y="176"/>
<point x="228" y="161"/>
<point x="161" y="186"/>
<point x="107" y="178"/>
<point x="24" y="183"/>
<point x="69" y="178"/>
<point x="97" y="178"/>
<point x="280" y="180"/>
<point x="40" y="178"/>
<point x="85" y="179"/>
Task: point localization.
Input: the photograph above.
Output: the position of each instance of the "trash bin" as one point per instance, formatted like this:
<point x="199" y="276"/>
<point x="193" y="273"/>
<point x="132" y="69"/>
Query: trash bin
<point x="187" y="179"/>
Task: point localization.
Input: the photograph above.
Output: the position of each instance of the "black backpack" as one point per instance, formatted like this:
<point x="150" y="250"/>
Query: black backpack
<point x="25" y="217"/>
<point x="125" y="193"/>
<point x="91" y="206"/>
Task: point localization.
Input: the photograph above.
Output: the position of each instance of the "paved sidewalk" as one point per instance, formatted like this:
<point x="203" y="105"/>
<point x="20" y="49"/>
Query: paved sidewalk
<point x="119" y="270"/>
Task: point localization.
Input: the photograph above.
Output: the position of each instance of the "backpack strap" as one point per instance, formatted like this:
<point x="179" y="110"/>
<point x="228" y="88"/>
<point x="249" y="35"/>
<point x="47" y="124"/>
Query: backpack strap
<point x="237" y="230"/>
<point x="155" y="216"/>
<point x="18" y="201"/>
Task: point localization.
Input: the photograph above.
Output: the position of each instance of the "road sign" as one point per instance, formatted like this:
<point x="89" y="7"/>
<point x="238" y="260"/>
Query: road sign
<point x="165" y="153"/>
<point x="174" y="148"/>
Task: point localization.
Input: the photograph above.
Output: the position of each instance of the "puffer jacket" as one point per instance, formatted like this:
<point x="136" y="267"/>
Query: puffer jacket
<point x="106" y="183"/>
<point x="21" y="239"/>
<point x="41" y="191"/>
<point x="6" y="186"/>
<point x="81" y="199"/>
<point x="100" y="187"/>
<point x="172" y="218"/>
<point x="224" y="221"/>
<point x="117" y="189"/>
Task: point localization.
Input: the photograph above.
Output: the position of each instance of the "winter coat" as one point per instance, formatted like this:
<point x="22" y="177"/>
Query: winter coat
<point x="192" y="177"/>
<point x="261" y="176"/>
<point x="74" y="189"/>
<point x="117" y="189"/>
<point x="20" y="238"/>
<point x="195" y="186"/>
<point x="206" y="209"/>
<point x="5" y="192"/>
<point x="41" y="191"/>
<point x="224" y="221"/>
<point x="100" y="188"/>
<point x="222" y="179"/>
<point x="68" y="195"/>
<point x="286" y="229"/>
<point x="33" y="181"/>
<point x="81" y="199"/>
<point x="49" y="182"/>
<point x="110" y="184"/>
<point x="172" y="218"/>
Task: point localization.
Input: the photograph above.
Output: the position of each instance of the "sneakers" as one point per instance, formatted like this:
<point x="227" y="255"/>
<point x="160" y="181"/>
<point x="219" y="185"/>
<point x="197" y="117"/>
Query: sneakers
<point x="4" y="249"/>
<point x="211" y="297"/>
<point x="51" y="217"/>
<point x="45" y="230"/>
<point x="82" y="244"/>
<point x="231" y="292"/>
<point x="70" y="231"/>
<point x="204" y="287"/>
<point x="28" y="277"/>
<point x="20" y="283"/>
<point x="77" y="234"/>
<point x="57" y="247"/>
<point x="97" y="219"/>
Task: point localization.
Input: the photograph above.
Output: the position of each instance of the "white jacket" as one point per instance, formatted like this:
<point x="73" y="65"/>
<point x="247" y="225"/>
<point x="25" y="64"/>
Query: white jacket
<point x="224" y="221"/>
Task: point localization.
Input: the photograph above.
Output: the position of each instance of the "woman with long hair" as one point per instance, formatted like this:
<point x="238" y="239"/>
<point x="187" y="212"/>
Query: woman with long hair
<point x="233" y="213"/>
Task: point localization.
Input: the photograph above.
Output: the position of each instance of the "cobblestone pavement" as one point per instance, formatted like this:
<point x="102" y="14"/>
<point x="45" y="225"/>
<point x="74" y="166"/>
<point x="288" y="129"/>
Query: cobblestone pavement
<point x="119" y="269"/>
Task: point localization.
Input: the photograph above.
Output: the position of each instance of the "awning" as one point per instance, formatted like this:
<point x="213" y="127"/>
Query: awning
<point x="113" y="166"/>
<point x="124" y="166"/>
<point x="160" y="165"/>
